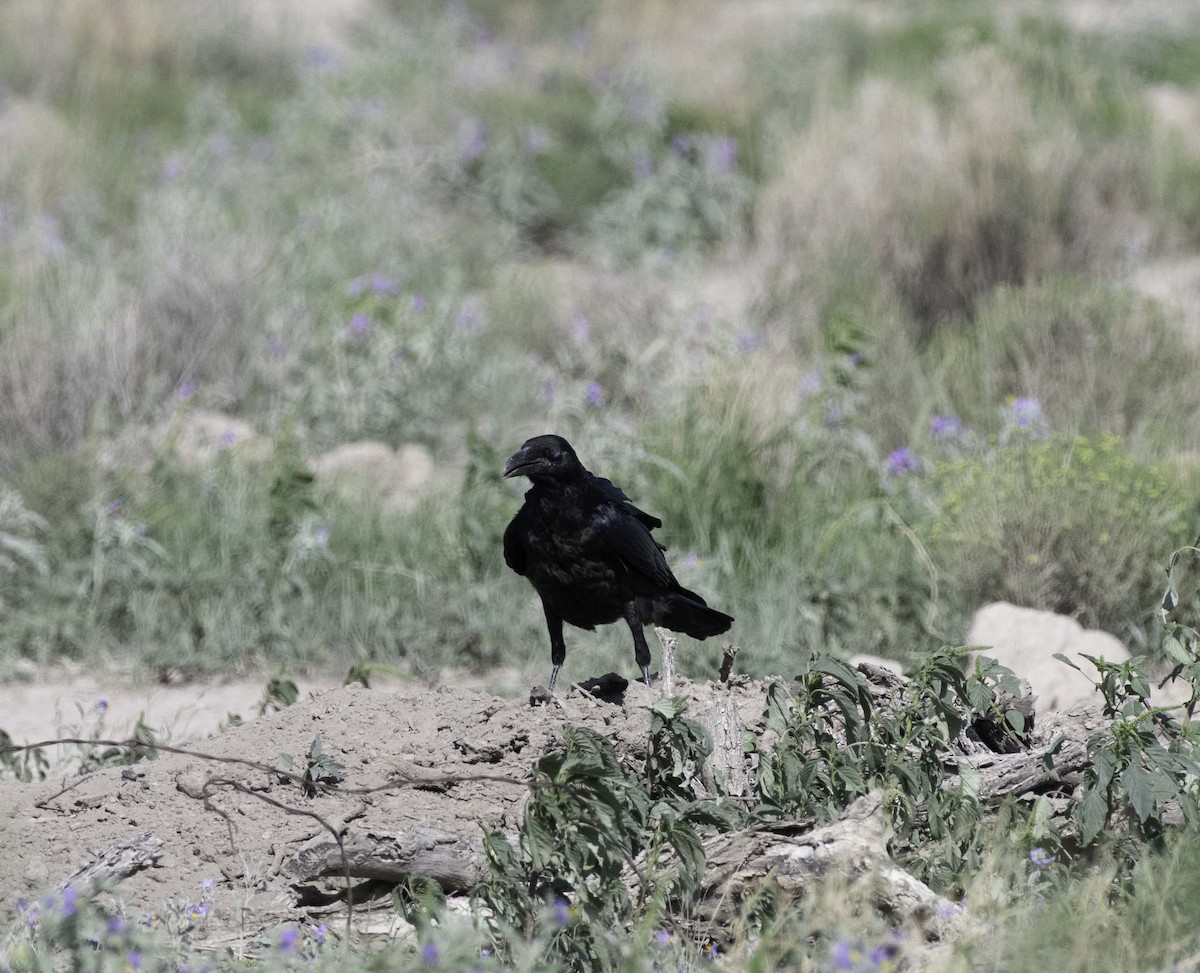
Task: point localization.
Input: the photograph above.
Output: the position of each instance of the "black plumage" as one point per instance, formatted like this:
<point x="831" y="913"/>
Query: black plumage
<point x="588" y="552"/>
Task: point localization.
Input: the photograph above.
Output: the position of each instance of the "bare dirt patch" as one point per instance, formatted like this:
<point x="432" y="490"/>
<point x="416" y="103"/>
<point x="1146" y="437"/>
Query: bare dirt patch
<point x="228" y="832"/>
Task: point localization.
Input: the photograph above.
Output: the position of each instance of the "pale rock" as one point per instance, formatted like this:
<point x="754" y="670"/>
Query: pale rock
<point x="1026" y="640"/>
<point x="372" y="470"/>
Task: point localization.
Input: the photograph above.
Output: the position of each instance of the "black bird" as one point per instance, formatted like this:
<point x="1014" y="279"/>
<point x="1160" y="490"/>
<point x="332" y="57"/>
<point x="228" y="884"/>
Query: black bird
<point x="587" y="550"/>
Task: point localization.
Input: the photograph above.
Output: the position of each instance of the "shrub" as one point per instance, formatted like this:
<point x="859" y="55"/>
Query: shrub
<point x="1099" y="359"/>
<point x="1076" y="526"/>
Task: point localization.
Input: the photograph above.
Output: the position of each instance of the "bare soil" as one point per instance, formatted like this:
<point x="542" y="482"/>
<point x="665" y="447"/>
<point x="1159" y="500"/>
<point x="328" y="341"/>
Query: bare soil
<point x="244" y="842"/>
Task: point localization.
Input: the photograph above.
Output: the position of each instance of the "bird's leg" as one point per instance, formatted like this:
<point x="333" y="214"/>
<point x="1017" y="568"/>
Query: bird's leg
<point x="641" y="651"/>
<point x="558" y="648"/>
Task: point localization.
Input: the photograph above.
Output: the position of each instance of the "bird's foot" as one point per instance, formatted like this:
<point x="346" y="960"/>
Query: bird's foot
<point x="646" y="675"/>
<point x="553" y="679"/>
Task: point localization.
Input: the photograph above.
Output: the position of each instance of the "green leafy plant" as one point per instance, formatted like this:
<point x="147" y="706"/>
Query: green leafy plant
<point x="589" y="823"/>
<point x="319" y="768"/>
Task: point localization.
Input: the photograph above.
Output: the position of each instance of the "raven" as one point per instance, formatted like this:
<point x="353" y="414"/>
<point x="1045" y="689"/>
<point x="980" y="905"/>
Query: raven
<point x="587" y="550"/>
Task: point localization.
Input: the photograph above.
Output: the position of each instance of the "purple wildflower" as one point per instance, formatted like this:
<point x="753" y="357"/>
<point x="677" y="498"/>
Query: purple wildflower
<point x="562" y="911"/>
<point x="172" y="168"/>
<point x="418" y="301"/>
<point x="199" y="912"/>
<point x="950" y="910"/>
<point x="288" y="939"/>
<point x="116" y="926"/>
<point x="228" y="438"/>
<point x="360" y="325"/>
<point x="134" y="960"/>
<point x="143" y="530"/>
<point x="712" y="951"/>
<point x="690" y="561"/>
<point x="643" y="165"/>
<point x="845" y="956"/>
<point x="221" y="145"/>
<point x="358" y="286"/>
<point x="681" y="145"/>
<point x="535" y="141"/>
<point x="663" y="937"/>
<point x="834" y="417"/>
<point x="322" y="60"/>
<point x="430" y="954"/>
<point x="102" y="706"/>
<point x="749" y="342"/>
<point x="52" y="241"/>
<point x="472" y="139"/>
<point x="1041" y="858"/>
<point x="369" y="106"/>
<point x="643" y="106"/>
<point x="594" y="394"/>
<point x="853" y="360"/>
<point x="720" y="155"/>
<point x="580" y="329"/>
<point x="320" y="933"/>
<point x="207" y="886"/>
<point x="384" y="286"/>
<point x="276" y="346"/>
<point x="945" y="427"/>
<point x="901" y="462"/>
<point x="810" y="385"/>
<point x="70" y="901"/>
<point x="186" y="391"/>
<point x="321" y="535"/>
<point x="1025" y="412"/>
<point x="884" y="952"/>
<point x="114" y="507"/>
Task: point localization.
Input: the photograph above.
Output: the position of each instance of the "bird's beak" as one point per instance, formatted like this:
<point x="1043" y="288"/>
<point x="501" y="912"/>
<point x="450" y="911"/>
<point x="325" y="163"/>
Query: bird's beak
<point x="519" y="464"/>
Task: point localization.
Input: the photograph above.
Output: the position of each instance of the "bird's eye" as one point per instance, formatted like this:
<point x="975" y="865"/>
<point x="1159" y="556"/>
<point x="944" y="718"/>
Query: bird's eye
<point x="557" y="454"/>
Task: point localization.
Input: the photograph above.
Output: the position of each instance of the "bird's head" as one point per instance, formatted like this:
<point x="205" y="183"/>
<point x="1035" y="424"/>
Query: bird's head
<point x="544" y="457"/>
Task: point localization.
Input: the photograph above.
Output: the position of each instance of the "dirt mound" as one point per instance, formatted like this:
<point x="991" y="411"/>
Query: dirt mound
<point x="231" y="823"/>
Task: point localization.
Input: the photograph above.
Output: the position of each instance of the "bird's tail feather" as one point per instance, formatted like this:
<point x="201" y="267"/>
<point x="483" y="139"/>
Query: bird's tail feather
<point x="685" y="611"/>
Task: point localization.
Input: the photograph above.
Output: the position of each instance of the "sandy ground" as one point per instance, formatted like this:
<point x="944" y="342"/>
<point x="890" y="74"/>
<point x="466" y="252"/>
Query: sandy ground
<point x="244" y="843"/>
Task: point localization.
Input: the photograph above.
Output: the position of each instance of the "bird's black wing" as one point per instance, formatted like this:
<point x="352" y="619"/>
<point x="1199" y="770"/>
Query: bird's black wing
<point x="514" y="544"/>
<point x="620" y="532"/>
<point x="614" y="493"/>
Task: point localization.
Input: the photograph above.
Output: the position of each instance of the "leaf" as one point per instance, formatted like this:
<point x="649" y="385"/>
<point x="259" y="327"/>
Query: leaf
<point x="779" y="707"/>
<point x="539" y="842"/>
<point x="1104" y="765"/>
<point x="979" y="696"/>
<point x="1139" y="788"/>
<point x="1175" y="649"/>
<point x="1065" y="661"/>
<point x="1170" y="599"/>
<point x="1092" y="813"/>
<point x="1016" y="720"/>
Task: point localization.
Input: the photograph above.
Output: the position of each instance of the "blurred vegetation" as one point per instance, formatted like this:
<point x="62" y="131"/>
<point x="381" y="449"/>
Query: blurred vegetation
<point x="835" y="304"/>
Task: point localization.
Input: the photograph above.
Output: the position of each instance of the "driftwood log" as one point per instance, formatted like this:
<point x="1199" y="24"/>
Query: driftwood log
<point x="455" y="862"/>
<point x="117" y="860"/>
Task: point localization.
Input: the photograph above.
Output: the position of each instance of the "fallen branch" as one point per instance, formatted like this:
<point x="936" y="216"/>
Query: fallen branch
<point x="456" y="862"/>
<point x="118" y="859"/>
